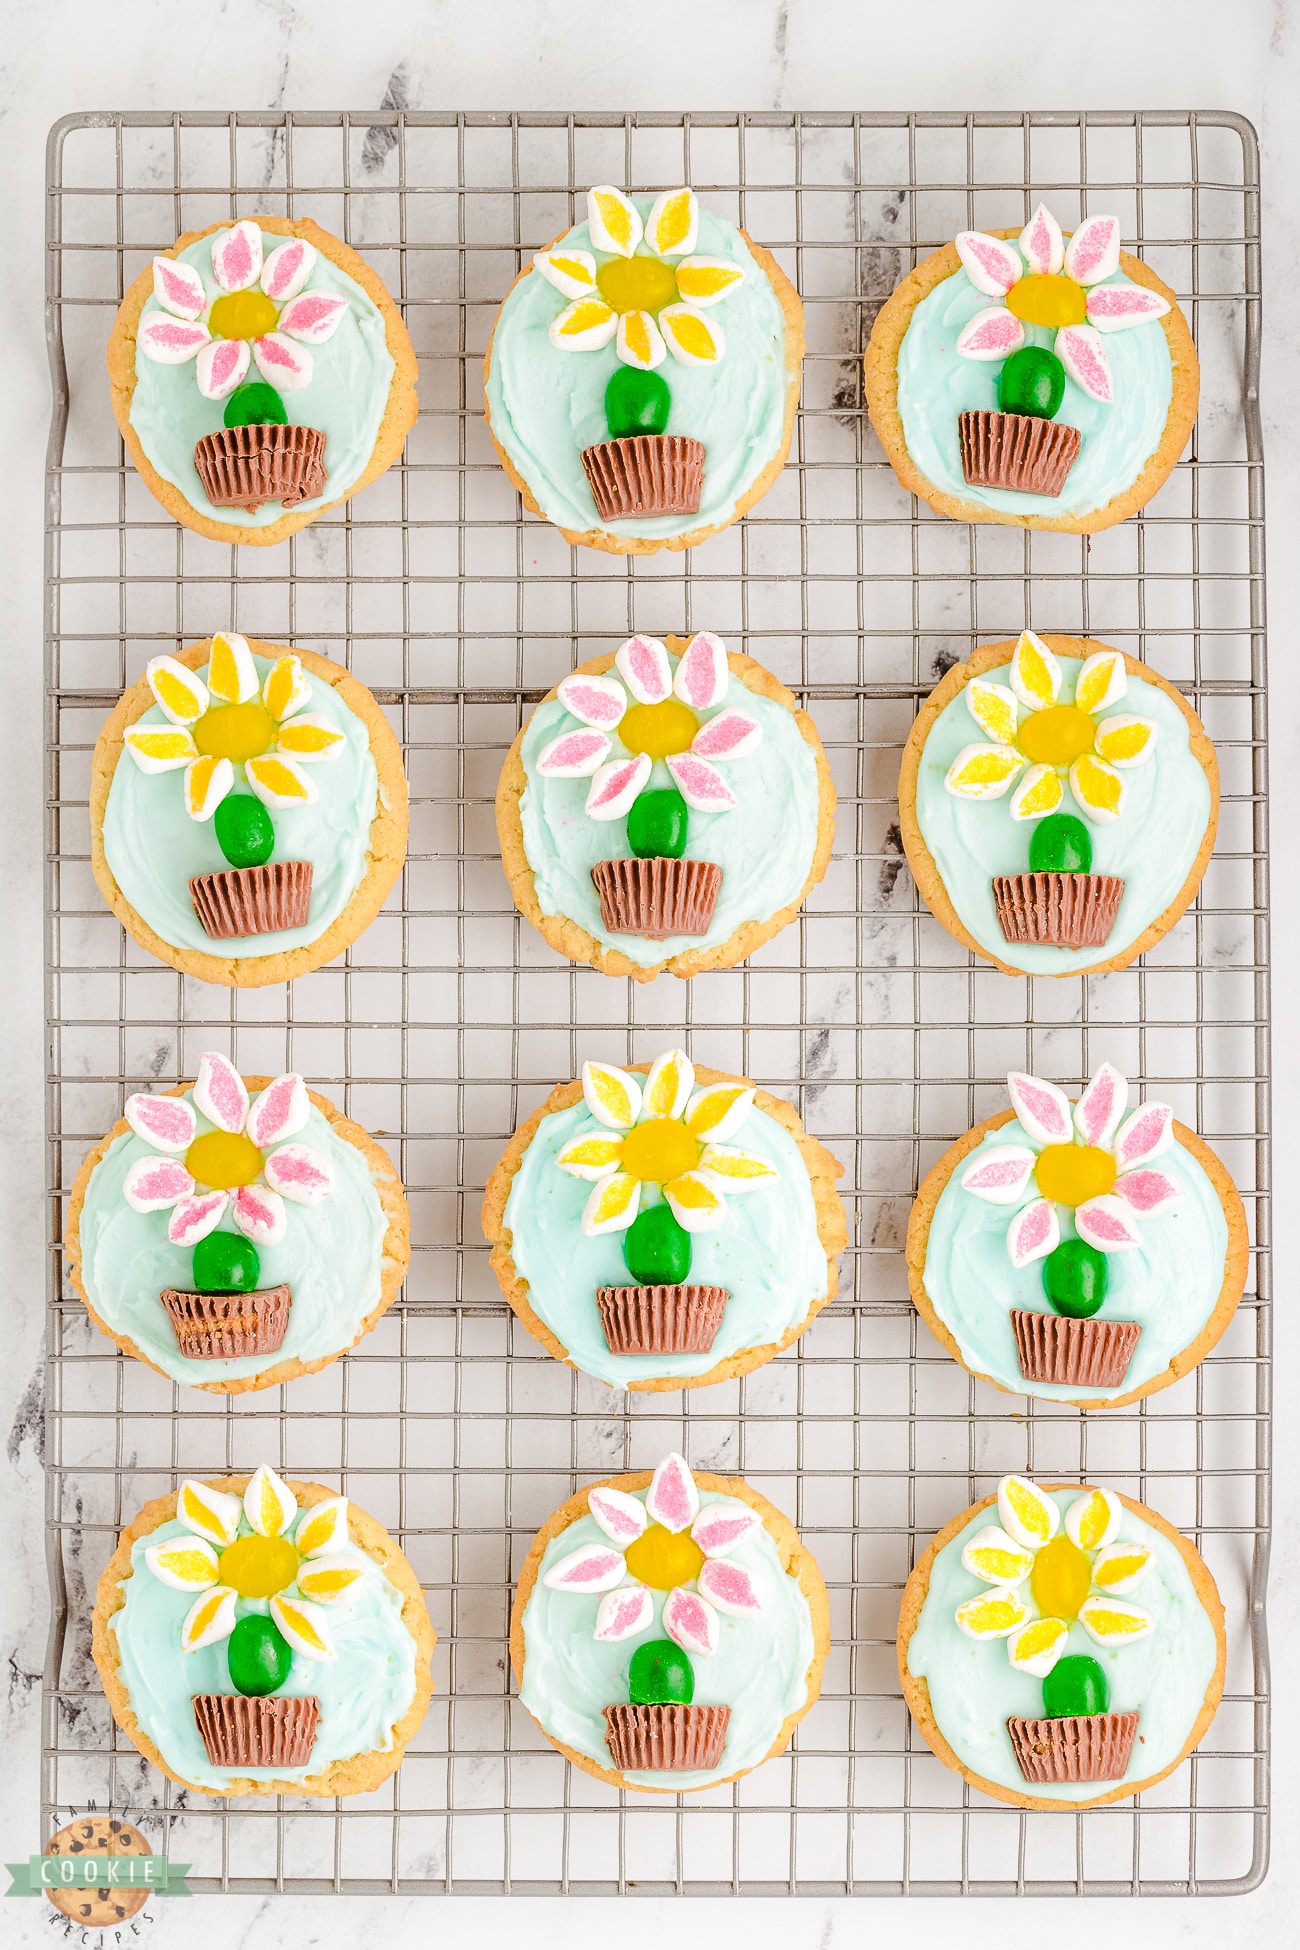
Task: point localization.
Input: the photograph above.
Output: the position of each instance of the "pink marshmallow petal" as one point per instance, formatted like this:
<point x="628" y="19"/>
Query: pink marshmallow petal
<point x="1044" y="1110"/>
<point x="1099" y="1109"/>
<point x="691" y="1622"/>
<point x="178" y="288"/>
<point x="730" y="1588"/>
<point x="620" y="1516"/>
<point x="1114" y="307"/>
<point x="574" y="754"/>
<point x="732" y="734"/>
<point x="623" y="1613"/>
<point x="220" y="366"/>
<point x="260" y="1215"/>
<point x="168" y="1123"/>
<point x="992" y="334"/>
<point x="719" y="1528"/>
<point x="1147" y="1191"/>
<point x="1041" y="243"/>
<point x="1093" y="251"/>
<point x="170" y="341"/>
<point x="1033" y="1233"/>
<point x="156" y="1184"/>
<point x="287" y="269"/>
<point x="592" y="1567"/>
<point x="279" y="1112"/>
<point x="672" y="1498"/>
<point x="313" y="318"/>
<point x="999" y="1175"/>
<point x="703" y="789"/>
<point x="219" y="1092"/>
<point x="599" y="701"/>
<point x="702" y="675"/>
<point x="642" y="663"/>
<point x="1081" y="352"/>
<point x="237" y="256"/>
<point x="1144" y="1134"/>
<point x="284" y="365"/>
<point x="300" y="1174"/>
<point x="991" y="263"/>
<point x="194" y="1218"/>
<point x="1108" y="1224"/>
<point x="616" y="785"/>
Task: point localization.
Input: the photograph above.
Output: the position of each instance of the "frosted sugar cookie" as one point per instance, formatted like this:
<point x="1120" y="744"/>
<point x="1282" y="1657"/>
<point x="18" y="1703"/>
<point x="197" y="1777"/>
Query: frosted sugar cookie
<point x="1061" y="1647"/>
<point x="257" y="1635"/>
<point x="665" y="1639"/>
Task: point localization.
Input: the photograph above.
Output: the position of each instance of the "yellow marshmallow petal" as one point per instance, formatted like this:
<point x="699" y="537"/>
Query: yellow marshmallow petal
<point x="303" y="1624"/>
<point x="310" y="739"/>
<point x="1098" y="788"/>
<point x="613" y="221"/>
<point x="160" y="748"/>
<point x="287" y="688"/>
<point x="668" y="1085"/>
<point x="695" y="1205"/>
<point x="717" y="1111"/>
<point x="1035" y="673"/>
<point x="612" y="1096"/>
<point x="673" y="223"/>
<point x="1026" y="1513"/>
<point x="269" y="1504"/>
<point x="592" y="1158"/>
<point x="1036" y="1647"/>
<point x="184" y="1563"/>
<point x="639" y="341"/>
<point x="731" y="1170"/>
<point x="995" y="709"/>
<point x="983" y="772"/>
<point x="278" y="783"/>
<point x="1123" y="741"/>
<point x="324" y="1527"/>
<point x="208" y="1513"/>
<point x="612" y="1205"/>
<point x="692" y="339"/>
<point x="1109" y="1622"/>
<point x="210" y="1620"/>
<point x="1039" y="792"/>
<point x="572" y="272"/>
<point x="705" y="281"/>
<point x="207" y="781"/>
<point x="1120" y="1567"/>
<point x="1093" y="1519"/>
<point x="182" y="696"/>
<point x="1102" y="681"/>
<point x="584" y="326"/>
<point x="997" y="1558"/>
<point x="993" y="1615"/>
<point x="232" y="674"/>
<point x="330" y="1579"/>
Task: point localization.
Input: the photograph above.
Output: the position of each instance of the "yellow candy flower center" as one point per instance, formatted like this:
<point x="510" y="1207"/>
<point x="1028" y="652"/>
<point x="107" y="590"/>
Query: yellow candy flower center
<point x="242" y="315"/>
<point x="1073" y="1173"/>
<point x="1061" y="1579"/>
<point x="223" y="1159"/>
<point x="659" y="1150"/>
<point x="636" y="284"/>
<point x="258" y="1567"/>
<point x="1047" y="298"/>
<point x="1056" y="736"/>
<point x="658" y="729"/>
<point x="662" y="1558"/>
<point x="235" y="731"/>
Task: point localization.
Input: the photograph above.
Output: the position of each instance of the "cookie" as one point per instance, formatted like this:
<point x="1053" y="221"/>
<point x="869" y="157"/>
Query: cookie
<point x="98" y="1909"/>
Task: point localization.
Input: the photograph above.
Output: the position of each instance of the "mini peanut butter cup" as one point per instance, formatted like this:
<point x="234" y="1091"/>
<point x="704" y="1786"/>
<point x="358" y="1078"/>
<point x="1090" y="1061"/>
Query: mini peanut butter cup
<point x="223" y="1326"/>
<point x="660" y="1319"/>
<point x="1016" y="450"/>
<point x="240" y="1732"/>
<point x="657" y="897"/>
<point x="1058" y="910"/>
<point x="1078" y="1353"/>
<point x="1086" y="1747"/>
<point x="645" y="474"/>
<point x="671" y="1737"/>
<point x="253" y="900"/>
<point x="245" y="467"/>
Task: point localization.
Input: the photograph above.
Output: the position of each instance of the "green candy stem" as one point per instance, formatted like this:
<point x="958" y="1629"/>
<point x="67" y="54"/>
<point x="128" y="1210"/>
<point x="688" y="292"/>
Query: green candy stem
<point x="1074" y="1279"/>
<point x="657" y="1249"/>
<point x="225" y="1262"/>
<point x="1032" y="381"/>
<point x="1075" y="1685"/>
<point x="244" y="830"/>
<point x="636" y="402"/>
<point x="1060" y="844"/>
<point x="657" y="823"/>
<point x="259" y="1656"/>
<point x="255" y="404"/>
<point x="660" y="1674"/>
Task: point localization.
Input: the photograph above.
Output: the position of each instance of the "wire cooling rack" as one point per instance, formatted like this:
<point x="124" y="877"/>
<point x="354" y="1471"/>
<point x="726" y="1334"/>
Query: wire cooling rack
<point x="449" y="1019"/>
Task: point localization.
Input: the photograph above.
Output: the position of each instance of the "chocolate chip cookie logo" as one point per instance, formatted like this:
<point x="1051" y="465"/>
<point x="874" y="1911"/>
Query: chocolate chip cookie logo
<point x="99" y="1872"/>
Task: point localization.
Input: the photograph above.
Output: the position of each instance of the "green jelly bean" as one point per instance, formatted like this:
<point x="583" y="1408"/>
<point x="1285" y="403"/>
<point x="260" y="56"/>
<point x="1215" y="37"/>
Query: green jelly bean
<point x="656" y="825"/>
<point x="225" y="1262"/>
<point x="259" y="1656"/>
<point x="660" y="1671"/>
<point x="255" y="404"/>
<point x="1060" y="844"/>
<point x="1076" y="1684"/>
<point x="244" y="830"/>
<point x="656" y="1248"/>
<point x="1074" y="1279"/>
<point x="1032" y="381"/>
<point x="636" y="402"/>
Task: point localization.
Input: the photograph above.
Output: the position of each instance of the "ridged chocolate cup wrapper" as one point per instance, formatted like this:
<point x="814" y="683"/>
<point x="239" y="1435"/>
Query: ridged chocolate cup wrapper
<point x="1086" y="1747"/>
<point x="249" y="1732"/>
<point x="1076" y="1353"/>
<point x="660" y="1319"/>
<point x="645" y="474"/>
<point x="253" y="900"/>
<point x="1057" y="910"/>
<point x="657" y="898"/>
<point x="668" y="1738"/>
<point x="245" y="467"/>
<point x="225" y="1326"/>
<point x="1016" y="450"/>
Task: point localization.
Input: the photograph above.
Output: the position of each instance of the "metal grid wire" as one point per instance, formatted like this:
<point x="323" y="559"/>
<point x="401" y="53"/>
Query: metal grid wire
<point x="449" y="1020"/>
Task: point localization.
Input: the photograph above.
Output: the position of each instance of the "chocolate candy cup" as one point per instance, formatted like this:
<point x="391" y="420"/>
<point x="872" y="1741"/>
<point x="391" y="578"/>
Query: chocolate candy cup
<point x="1089" y="1747"/>
<point x="244" y="467"/>
<point x="659" y="1739"/>
<point x="239" y="1732"/>
<point x="223" y="1326"/>
<point x="1078" y="1353"/>
<point x="1016" y="450"/>
<point x="1061" y="910"/>
<point x="657" y="898"/>
<point x="661" y="1319"/>
<point x="645" y="474"/>
<point x="253" y="900"/>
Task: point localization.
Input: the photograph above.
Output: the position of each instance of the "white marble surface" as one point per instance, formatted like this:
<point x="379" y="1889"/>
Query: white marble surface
<point x="79" y="54"/>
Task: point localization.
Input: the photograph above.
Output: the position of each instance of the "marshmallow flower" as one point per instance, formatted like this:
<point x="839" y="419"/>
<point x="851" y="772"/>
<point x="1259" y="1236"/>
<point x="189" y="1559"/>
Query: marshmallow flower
<point x="657" y="713"/>
<point x="649" y="1546"/>
<point x="231" y="722"/>
<point x="1087" y="1156"/>
<point x="1047" y="1578"/>
<point x="1041" y="742"/>
<point x="1042" y="280"/>
<point x="650" y="304"/>
<point x="244" y="1164"/>
<point x="263" y="314"/>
